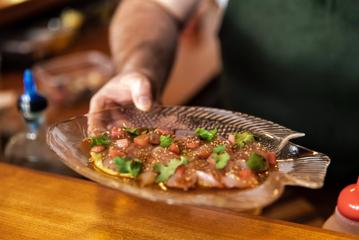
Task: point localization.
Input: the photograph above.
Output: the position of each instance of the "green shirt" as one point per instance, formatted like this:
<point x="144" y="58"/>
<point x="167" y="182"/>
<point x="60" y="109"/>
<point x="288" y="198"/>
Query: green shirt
<point x="296" y="62"/>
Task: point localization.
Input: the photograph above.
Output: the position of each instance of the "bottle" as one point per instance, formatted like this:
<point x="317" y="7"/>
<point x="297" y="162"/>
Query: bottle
<point x="29" y="148"/>
<point x="346" y="216"/>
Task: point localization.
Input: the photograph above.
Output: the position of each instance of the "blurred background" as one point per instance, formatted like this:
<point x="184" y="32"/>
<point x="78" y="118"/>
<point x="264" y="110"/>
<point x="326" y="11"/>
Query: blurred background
<point x="65" y="43"/>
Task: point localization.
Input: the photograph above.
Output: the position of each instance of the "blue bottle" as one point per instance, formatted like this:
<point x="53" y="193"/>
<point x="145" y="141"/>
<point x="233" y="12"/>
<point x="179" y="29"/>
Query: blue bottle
<point x="31" y="103"/>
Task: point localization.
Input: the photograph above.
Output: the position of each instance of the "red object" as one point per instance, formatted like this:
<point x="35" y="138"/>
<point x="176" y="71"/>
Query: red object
<point x="348" y="201"/>
<point x="245" y="173"/>
<point x="116" y="152"/>
<point x="97" y="149"/>
<point x="118" y="133"/>
<point x="174" y="148"/>
<point x="193" y="144"/>
<point x="271" y="158"/>
<point x="142" y="140"/>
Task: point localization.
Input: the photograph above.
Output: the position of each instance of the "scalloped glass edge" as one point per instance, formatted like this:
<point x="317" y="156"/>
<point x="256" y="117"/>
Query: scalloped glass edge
<point x="297" y="166"/>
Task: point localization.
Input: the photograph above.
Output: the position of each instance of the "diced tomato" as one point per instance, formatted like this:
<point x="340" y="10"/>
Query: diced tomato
<point x="154" y="138"/>
<point x="85" y="145"/>
<point x="97" y="149"/>
<point x="180" y="171"/>
<point x="231" y="138"/>
<point x="248" y="178"/>
<point x="174" y="148"/>
<point x="142" y="140"/>
<point x="204" y="152"/>
<point x="192" y="143"/>
<point x="122" y="143"/>
<point x="118" y="133"/>
<point x="271" y="158"/>
<point x="116" y="152"/>
<point x="245" y="173"/>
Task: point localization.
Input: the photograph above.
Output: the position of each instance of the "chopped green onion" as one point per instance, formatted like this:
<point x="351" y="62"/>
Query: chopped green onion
<point x="221" y="159"/>
<point x="219" y="149"/>
<point x="205" y="134"/>
<point x="165" y="141"/>
<point x="244" y="138"/>
<point x="257" y="162"/>
<point x="132" y="131"/>
<point x="102" y="140"/>
<point x="165" y="172"/>
<point x="128" y="166"/>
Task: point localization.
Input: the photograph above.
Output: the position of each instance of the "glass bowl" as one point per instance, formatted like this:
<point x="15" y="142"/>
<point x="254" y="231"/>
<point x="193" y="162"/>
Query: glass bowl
<point x="297" y="165"/>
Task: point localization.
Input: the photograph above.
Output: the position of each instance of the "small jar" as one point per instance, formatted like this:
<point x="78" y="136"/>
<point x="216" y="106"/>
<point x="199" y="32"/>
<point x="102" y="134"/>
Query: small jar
<point x="346" y="216"/>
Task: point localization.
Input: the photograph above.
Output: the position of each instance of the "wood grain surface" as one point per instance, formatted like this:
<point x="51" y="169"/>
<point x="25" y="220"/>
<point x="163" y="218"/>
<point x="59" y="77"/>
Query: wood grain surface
<point x="36" y="205"/>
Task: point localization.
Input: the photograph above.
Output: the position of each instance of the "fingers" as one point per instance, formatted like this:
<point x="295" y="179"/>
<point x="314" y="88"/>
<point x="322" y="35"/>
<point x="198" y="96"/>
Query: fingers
<point x="120" y="90"/>
<point x="123" y="89"/>
<point x="140" y="89"/>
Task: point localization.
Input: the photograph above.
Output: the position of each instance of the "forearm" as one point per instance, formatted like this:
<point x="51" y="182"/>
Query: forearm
<point x="143" y="38"/>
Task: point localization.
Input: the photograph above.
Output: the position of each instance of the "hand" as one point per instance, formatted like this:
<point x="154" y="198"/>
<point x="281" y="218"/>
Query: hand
<point x="124" y="89"/>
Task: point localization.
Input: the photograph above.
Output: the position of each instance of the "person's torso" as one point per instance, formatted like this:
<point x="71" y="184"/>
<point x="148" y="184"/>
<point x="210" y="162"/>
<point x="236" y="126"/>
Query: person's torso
<point x="295" y="62"/>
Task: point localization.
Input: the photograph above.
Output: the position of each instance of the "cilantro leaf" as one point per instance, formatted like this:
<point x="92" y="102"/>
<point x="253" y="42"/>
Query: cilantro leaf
<point x="165" y="172"/>
<point x="221" y="159"/>
<point x="165" y="141"/>
<point x="244" y="138"/>
<point x="132" y="131"/>
<point x="103" y="140"/>
<point x="128" y="166"/>
<point x="205" y="134"/>
<point x="220" y="156"/>
<point x="219" y="149"/>
<point x="257" y="162"/>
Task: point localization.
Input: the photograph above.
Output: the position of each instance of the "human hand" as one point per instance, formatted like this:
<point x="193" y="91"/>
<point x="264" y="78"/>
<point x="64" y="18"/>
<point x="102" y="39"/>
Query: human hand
<point x="131" y="87"/>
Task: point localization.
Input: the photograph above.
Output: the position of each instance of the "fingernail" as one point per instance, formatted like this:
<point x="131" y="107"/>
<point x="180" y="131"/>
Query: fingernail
<point x="144" y="103"/>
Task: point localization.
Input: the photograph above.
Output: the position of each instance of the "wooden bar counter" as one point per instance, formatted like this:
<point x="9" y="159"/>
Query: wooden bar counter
<point x="37" y="205"/>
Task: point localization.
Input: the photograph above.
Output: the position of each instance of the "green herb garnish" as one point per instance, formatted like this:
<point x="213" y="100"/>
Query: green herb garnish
<point x="103" y="140"/>
<point x="165" y="141"/>
<point x="132" y="131"/>
<point x="257" y="162"/>
<point x="221" y="159"/>
<point x="244" y="138"/>
<point x="219" y="149"/>
<point x="220" y="156"/>
<point x="128" y="166"/>
<point x="205" y="134"/>
<point x="165" y="172"/>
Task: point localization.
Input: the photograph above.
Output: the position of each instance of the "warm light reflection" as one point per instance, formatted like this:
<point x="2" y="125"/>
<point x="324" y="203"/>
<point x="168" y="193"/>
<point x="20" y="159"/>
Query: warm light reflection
<point x="355" y="207"/>
<point x="8" y="3"/>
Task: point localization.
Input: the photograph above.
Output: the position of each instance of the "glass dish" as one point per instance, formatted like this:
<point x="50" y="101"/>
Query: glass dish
<point x="296" y="165"/>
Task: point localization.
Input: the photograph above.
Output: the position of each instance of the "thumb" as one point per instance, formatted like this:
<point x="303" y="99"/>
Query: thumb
<point x="140" y="88"/>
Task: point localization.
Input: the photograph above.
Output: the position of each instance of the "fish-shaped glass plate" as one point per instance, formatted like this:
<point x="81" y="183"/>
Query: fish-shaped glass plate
<point x="297" y="165"/>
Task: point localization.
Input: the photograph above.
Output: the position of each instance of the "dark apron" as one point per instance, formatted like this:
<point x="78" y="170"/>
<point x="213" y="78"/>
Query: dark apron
<point x="296" y="62"/>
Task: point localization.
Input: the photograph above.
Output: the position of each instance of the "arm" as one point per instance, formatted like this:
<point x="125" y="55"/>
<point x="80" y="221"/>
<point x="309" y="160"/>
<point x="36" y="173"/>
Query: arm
<point x="143" y="40"/>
